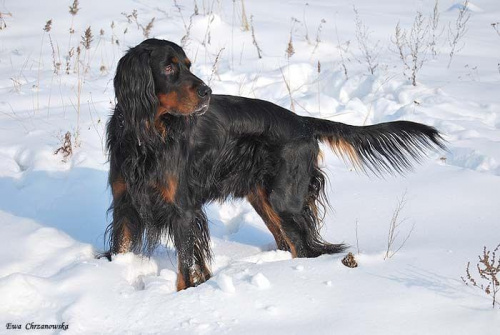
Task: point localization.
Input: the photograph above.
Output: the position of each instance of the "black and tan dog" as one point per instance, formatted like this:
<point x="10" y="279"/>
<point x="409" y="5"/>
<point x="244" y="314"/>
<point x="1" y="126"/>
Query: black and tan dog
<point x="174" y="146"/>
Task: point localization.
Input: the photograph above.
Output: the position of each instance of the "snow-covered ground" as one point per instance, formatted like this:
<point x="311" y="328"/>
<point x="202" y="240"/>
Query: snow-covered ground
<point x="53" y="210"/>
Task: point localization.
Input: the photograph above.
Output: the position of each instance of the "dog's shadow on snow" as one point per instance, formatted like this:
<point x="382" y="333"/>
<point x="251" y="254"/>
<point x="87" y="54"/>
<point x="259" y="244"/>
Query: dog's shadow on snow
<point x="76" y="202"/>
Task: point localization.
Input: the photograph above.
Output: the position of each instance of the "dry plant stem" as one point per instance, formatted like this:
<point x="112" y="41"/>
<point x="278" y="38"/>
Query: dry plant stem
<point x="241" y="52"/>
<point x="369" y="51"/>
<point x="456" y="34"/>
<point x="319" y="88"/>
<point x="78" y="96"/>
<point x="95" y="124"/>
<point x="73" y="10"/>
<point x="3" y="24"/>
<point x="87" y="39"/>
<point x="215" y="66"/>
<point x="55" y="63"/>
<point x="318" y="35"/>
<point x="434" y="27"/>
<point x="290" y="49"/>
<point x="418" y="46"/>
<point x="180" y="13"/>
<point x="341" y="52"/>
<point x="495" y="26"/>
<point x="66" y="148"/>
<point x="292" y="105"/>
<point x="488" y="268"/>
<point x="232" y="34"/>
<point x="185" y="38"/>
<point x="244" y="21"/>
<point x="401" y="43"/>
<point x="146" y="31"/>
<point x="196" y="11"/>
<point x="17" y="79"/>
<point x="357" y="238"/>
<point x="394" y="229"/>
<point x="211" y="17"/>
<point x="259" y="51"/>
<point x="412" y="47"/>
<point x="102" y="67"/>
<point x="46" y="29"/>
<point x="305" y="23"/>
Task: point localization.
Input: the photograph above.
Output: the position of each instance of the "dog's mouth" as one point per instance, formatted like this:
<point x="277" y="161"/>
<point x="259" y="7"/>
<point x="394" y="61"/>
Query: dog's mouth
<point x="202" y="108"/>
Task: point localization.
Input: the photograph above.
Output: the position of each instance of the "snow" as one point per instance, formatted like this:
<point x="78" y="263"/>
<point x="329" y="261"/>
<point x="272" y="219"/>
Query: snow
<point x="53" y="210"/>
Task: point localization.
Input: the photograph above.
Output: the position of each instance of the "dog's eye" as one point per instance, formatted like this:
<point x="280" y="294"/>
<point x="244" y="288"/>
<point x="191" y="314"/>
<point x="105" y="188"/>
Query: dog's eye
<point x="169" y="69"/>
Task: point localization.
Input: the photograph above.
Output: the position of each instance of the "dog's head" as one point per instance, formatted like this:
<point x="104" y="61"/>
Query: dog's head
<point x="154" y="79"/>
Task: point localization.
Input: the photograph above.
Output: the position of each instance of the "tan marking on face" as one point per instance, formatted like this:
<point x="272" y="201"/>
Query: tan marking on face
<point x="187" y="62"/>
<point x="175" y="60"/>
<point x="168" y="101"/>
<point x="183" y="101"/>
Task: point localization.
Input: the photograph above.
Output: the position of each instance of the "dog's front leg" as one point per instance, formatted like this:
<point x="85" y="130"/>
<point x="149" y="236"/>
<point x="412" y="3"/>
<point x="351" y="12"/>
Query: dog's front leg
<point x="191" y="239"/>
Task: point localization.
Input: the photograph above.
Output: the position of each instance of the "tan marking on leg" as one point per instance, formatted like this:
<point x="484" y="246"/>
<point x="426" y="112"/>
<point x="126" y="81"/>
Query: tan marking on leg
<point x="181" y="283"/>
<point x="118" y="187"/>
<point x="126" y="240"/>
<point x="272" y="220"/>
<point x="168" y="190"/>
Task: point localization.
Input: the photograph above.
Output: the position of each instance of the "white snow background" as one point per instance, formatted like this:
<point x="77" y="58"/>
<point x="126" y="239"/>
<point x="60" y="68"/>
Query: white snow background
<point x="53" y="212"/>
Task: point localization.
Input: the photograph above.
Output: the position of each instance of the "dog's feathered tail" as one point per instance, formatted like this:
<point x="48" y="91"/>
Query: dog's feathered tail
<point x="386" y="147"/>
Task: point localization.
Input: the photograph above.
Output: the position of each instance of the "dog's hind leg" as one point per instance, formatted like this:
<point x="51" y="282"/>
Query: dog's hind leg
<point x="295" y="193"/>
<point x="260" y="202"/>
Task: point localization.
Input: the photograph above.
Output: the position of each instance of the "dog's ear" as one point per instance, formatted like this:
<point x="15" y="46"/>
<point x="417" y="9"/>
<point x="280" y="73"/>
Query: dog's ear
<point x="135" y="88"/>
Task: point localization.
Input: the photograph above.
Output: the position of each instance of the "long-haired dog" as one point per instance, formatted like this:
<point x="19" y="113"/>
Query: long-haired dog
<point x="174" y="146"/>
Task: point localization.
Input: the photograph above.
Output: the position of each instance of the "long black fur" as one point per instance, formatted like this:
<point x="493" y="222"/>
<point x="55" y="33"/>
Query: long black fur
<point x="173" y="147"/>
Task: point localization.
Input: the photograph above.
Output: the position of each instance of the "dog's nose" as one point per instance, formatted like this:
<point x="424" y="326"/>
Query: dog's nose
<point x="204" y="90"/>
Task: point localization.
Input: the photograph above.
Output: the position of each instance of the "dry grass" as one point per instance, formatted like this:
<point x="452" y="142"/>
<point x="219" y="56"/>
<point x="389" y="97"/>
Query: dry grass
<point x="457" y="33"/>
<point x="369" y="50"/>
<point x="3" y="15"/>
<point x="318" y="35"/>
<point x="66" y="148"/>
<point x="290" y="50"/>
<point x="292" y="104"/>
<point x="254" y="40"/>
<point x="395" y="229"/>
<point x="244" y="21"/>
<point x="496" y="26"/>
<point x="488" y="269"/>
<point x="215" y="66"/>
<point x="412" y="46"/>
